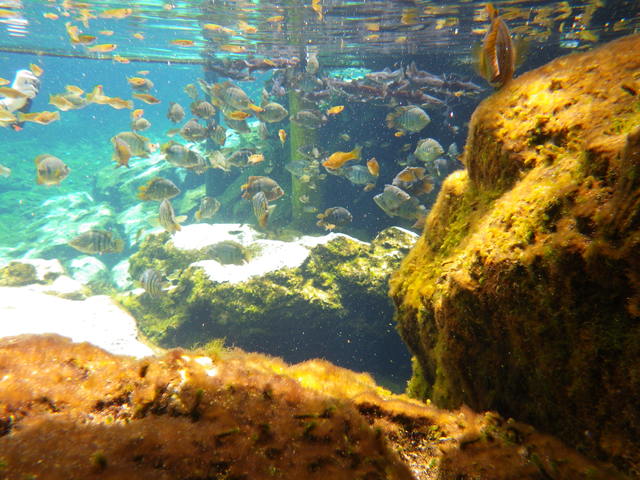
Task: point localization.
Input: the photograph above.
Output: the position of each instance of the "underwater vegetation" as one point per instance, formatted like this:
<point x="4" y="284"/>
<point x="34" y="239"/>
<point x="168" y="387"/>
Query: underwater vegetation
<point x="74" y="411"/>
<point x="522" y="294"/>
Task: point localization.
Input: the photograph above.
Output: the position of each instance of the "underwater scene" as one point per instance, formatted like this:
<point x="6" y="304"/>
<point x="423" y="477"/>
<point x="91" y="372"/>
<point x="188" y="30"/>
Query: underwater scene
<point x="246" y="239"/>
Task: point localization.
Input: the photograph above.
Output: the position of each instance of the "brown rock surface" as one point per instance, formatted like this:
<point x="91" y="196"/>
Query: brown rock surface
<point x="73" y="411"/>
<point x="523" y="294"/>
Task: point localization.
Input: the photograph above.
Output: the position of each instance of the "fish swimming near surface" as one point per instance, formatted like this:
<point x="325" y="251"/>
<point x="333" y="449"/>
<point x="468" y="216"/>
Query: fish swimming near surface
<point x="168" y="219"/>
<point x="97" y="242"/>
<point x="175" y="113"/>
<point x="158" y="189"/>
<point x="50" y="170"/>
<point x="152" y="282"/>
<point x="338" y="159"/>
<point x="209" y="206"/>
<point x="498" y="55"/>
<point x="334" y="217"/>
<point x="408" y="118"/>
<point x="267" y="185"/>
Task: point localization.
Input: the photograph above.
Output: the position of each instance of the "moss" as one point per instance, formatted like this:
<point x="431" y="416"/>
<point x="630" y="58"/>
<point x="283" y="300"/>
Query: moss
<point x="17" y="274"/>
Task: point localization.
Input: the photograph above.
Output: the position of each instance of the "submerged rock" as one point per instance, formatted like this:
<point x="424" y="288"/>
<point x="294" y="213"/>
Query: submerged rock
<point x="74" y="411"/>
<point x="314" y="297"/>
<point x="523" y="293"/>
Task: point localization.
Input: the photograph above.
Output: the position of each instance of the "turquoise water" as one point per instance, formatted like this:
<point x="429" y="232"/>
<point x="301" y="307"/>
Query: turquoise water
<point x="350" y="39"/>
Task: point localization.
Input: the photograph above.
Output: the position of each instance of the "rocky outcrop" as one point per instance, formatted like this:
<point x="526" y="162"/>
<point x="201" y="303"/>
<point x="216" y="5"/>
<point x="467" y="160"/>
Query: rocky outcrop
<point x="311" y="297"/>
<point x="523" y="293"/>
<point x="74" y="411"/>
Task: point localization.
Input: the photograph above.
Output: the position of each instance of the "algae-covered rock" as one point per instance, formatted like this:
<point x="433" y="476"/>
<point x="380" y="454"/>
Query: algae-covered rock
<point x="523" y="293"/>
<point x="17" y="274"/>
<point x="317" y="297"/>
<point x="75" y="411"/>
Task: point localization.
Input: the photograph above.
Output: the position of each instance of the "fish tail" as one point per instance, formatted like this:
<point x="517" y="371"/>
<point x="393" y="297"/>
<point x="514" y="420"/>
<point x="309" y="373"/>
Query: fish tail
<point x="356" y="152"/>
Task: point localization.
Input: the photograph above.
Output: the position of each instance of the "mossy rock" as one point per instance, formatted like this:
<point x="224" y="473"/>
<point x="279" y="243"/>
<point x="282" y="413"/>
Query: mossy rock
<point x="17" y="274"/>
<point x="334" y="305"/>
<point x="523" y="293"/>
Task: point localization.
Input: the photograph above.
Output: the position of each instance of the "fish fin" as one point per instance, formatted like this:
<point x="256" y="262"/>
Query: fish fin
<point x="181" y="218"/>
<point x="356" y="152"/>
<point x="491" y="11"/>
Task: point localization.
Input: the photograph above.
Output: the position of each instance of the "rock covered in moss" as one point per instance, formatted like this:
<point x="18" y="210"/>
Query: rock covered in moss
<point x="523" y="293"/>
<point x="17" y="273"/>
<point x="319" y="296"/>
<point x="74" y="411"/>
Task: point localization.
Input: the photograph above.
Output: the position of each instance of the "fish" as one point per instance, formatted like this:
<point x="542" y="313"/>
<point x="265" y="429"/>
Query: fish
<point x="146" y="98"/>
<point x="139" y="84"/>
<point x="158" y="189"/>
<point x="103" y="48"/>
<point x="233" y="48"/>
<point x="180" y="156"/>
<point x="209" y="206"/>
<point x="272" y="112"/>
<point x="263" y="131"/>
<point x="143" y="72"/>
<point x="50" y="170"/>
<point x="414" y="181"/>
<point x="317" y="7"/>
<point x="219" y="135"/>
<point x="358" y="175"/>
<point x="168" y="219"/>
<point x="212" y="27"/>
<point x="255" y="158"/>
<point x="152" y="282"/>
<point x="497" y="58"/>
<point x="275" y="18"/>
<point x="41" y="118"/>
<point x="311" y="152"/>
<point x="312" y="65"/>
<point x="395" y="202"/>
<point x="140" y="124"/>
<point x="121" y="152"/>
<point x="107" y="33"/>
<point x="117" y="13"/>
<point x="218" y="160"/>
<point x="261" y="208"/>
<point x="193" y="131"/>
<point x="36" y="69"/>
<point x="182" y="42"/>
<point x="334" y="217"/>
<point x="309" y="119"/>
<point x="427" y="150"/>
<point x="237" y="115"/>
<point x="9" y="92"/>
<point x="4" y="171"/>
<point x="50" y="16"/>
<point x="6" y="117"/>
<point x="335" y="110"/>
<point x="239" y="126"/>
<point x="175" y="113"/>
<point x="97" y="242"/>
<point x="202" y="109"/>
<point x="282" y="135"/>
<point x="191" y="91"/>
<point x="408" y="118"/>
<point x="232" y="96"/>
<point x="338" y="159"/>
<point x="373" y="166"/>
<point x="73" y="90"/>
<point x="120" y="59"/>
<point x="138" y="36"/>
<point x="267" y="185"/>
<point x="97" y="96"/>
<point x="302" y="167"/>
<point x="246" y="28"/>
<point x="137" y="113"/>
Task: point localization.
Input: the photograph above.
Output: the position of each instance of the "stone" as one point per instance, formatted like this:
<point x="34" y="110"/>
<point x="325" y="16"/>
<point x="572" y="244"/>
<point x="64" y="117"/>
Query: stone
<point x="523" y="293"/>
<point x="89" y="270"/>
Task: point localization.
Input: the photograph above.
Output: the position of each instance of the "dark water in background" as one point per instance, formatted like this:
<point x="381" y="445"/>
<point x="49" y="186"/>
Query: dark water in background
<point x="437" y="36"/>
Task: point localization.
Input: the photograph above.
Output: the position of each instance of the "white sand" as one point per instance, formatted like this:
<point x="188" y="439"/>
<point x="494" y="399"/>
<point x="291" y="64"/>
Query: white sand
<point x="97" y="320"/>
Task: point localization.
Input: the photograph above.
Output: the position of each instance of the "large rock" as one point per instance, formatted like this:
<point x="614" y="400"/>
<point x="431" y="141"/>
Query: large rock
<point x="312" y="297"/>
<point x="74" y="411"/>
<point x="523" y="294"/>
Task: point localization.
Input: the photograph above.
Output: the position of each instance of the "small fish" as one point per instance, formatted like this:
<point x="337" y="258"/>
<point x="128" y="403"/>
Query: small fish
<point x="120" y="59"/>
<point x="158" y="189"/>
<point x="335" y="110"/>
<point x="6" y="117"/>
<point x="202" y="109"/>
<point x="4" y="81"/>
<point x="138" y="36"/>
<point x="358" y="175"/>
<point x="97" y="242"/>
<point x="498" y="55"/>
<point x="219" y="135"/>
<point x="139" y="84"/>
<point x="62" y="102"/>
<point x="246" y="28"/>
<point x="395" y="202"/>
<point x="175" y="113"/>
<point x="182" y="42"/>
<point x="233" y="48"/>
<point x="345" y="137"/>
<point x="334" y="217"/>
<point x="137" y="113"/>
<point x="168" y="218"/>
<point x="275" y="19"/>
<point x="317" y="7"/>
<point x="11" y="93"/>
<point x="103" y="48"/>
<point x="282" y="135"/>
<point x="143" y="72"/>
<point x="106" y="33"/>
<point x="36" y="69"/>
<point x="212" y="27"/>
<point x="255" y="158"/>
<point x="373" y="166"/>
<point x="50" y="170"/>
<point x="140" y="124"/>
<point x="83" y="39"/>
<point x="238" y="115"/>
<point x="261" y="209"/>
<point x="408" y="118"/>
<point x="309" y="119"/>
<point x="50" y="16"/>
<point x="427" y="150"/>
<point x="118" y="13"/>
<point x="191" y="91"/>
<point x="400" y="133"/>
<point x="338" y="159"/>
<point x="152" y="282"/>
<point x="73" y="90"/>
<point x="267" y="185"/>
<point x="41" y="118"/>
<point x="4" y="171"/>
<point x="146" y="98"/>
<point x="209" y="206"/>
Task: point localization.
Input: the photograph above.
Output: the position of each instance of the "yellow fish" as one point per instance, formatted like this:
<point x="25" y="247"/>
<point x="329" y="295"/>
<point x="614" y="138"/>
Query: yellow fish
<point x="498" y="54"/>
<point x="4" y="81"/>
<point x="41" y="118"/>
<point x="338" y="159"/>
<point x="282" y="135"/>
<point x="238" y="115"/>
<point x="36" y="70"/>
<point x="118" y="13"/>
<point x="106" y="33"/>
<point x="139" y="36"/>
<point x="246" y="28"/>
<point x="182" y="43"/>
<point x="233" y="48"/>
<point x="275" y="19"/>
<point x="212" y="27"/>
<point x="103" y="48"/>
<point x="146" y="98"/>
<point x="50" y="16"/>
<point x="120" y="59"/>
<point x="335" y="110"/>
<point x="11" y="93"/>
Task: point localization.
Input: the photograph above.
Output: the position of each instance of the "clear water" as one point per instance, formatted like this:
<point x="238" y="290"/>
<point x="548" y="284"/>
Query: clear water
<point x="350" y="38"/>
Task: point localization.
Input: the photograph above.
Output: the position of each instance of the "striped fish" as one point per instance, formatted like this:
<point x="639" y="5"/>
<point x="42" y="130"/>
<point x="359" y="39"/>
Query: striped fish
<point x="261" y="208"/>
<point x="97" y="241"/>
<point x="168" y="218"/>
<point x="152" y="282"/>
